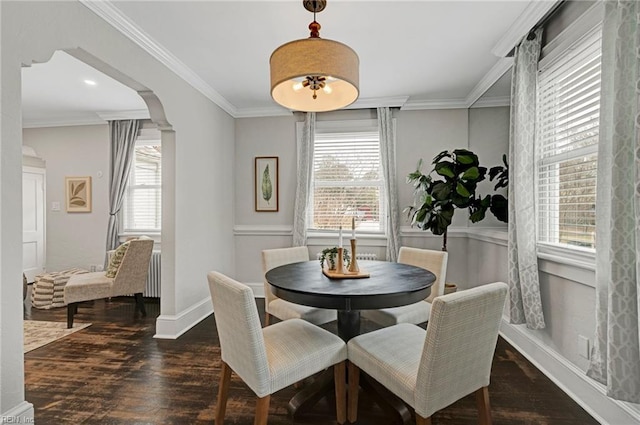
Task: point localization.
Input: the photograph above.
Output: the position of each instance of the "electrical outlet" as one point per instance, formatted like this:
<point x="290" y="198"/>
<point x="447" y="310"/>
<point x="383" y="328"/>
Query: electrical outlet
<point x="583" y="346"/>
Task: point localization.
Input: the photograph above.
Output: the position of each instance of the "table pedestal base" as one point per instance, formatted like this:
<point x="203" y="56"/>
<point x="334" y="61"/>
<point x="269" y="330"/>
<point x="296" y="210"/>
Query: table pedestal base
<point x="348" y="324"/>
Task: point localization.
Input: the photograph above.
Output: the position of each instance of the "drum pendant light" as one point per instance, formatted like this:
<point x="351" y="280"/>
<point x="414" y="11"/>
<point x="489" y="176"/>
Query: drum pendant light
<point x="314" y="74"/>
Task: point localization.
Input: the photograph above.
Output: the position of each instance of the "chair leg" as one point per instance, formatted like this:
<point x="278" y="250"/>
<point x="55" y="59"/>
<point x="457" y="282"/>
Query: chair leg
<point x="423" y="421"/>
<point x="354" y="387"/>
<point x="71" y="310"/>
<point x="339" y="376"/>
<point x="140" y="304"/>
<point x="484" y="407"/>
<point x="262" y="410"/>
<point x="266" y="319"/>
<point x="223" y="393"/>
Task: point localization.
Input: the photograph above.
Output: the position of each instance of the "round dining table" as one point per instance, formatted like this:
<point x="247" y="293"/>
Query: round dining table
<point x="388" y="285"/>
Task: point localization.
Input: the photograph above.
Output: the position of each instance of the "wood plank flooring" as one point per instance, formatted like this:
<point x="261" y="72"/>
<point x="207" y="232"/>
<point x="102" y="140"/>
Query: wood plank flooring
<point x="115" y="372"/>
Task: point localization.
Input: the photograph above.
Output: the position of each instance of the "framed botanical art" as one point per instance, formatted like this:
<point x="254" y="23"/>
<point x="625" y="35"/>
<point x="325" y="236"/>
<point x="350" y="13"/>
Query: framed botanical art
<point x="78" y="194"/>
<point x="266" y="183"/>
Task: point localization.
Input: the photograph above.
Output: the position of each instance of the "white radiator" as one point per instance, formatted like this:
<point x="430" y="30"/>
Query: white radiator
<point x="360" y="256"/>
<point x="153" y="279"/>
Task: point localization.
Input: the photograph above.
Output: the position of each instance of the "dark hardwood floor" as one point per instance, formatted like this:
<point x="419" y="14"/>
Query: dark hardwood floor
<point x="115" y="372"/>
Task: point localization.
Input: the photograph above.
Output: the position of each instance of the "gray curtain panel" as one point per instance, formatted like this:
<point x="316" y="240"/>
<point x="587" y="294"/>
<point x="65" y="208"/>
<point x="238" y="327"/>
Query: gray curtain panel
<point x="303" y="185"/>
<point x="524" y="284"/>
<point x="615" y="359"/>
<point x="122" y="135"/>
<point x="388" y="156"/>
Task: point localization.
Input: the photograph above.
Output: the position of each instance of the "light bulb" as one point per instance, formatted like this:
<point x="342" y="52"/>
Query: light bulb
<point x="327" y="89"/>
<point x="297" y="86"/>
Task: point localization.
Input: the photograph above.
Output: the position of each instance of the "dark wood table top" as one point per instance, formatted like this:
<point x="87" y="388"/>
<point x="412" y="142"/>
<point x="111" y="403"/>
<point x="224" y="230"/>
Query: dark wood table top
<point x="389" y="285"/>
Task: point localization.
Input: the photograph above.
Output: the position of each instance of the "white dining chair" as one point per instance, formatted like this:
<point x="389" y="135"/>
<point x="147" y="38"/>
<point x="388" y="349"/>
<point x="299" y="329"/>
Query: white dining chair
<point x="284" y="310"/>
<point x="271" y="358"/>
<point x="429" y="370"/>
<point x="435" y="262"/>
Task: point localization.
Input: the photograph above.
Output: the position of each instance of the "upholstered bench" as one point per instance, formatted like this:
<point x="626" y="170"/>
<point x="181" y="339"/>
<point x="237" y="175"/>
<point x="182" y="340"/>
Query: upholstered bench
<point x="48" y="288"/>
<point x="125" y="275"/>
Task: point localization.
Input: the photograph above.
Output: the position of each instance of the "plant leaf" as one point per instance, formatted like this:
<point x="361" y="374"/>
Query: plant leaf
<point x="78" y="189"/>
<point x="267" y="187"/>
<point x="444" y="169"/>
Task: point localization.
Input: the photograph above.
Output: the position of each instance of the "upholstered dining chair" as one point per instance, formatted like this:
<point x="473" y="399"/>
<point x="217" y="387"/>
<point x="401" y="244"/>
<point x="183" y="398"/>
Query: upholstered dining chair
<point x="435" y="262"/>
<point x="271" y="358"/>
<point x="284" y="310"/>
<point x="431" y="369"/>
<point x="126" y="275"/>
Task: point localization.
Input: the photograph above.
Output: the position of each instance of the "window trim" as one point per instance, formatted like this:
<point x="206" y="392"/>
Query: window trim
<point x="583" y="27"/>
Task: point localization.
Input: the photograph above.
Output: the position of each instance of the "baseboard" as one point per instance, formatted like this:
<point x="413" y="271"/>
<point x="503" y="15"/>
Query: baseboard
<point x="172" y="326"/>
<point x="20" y="414"/>
<point x="589" y="394"/>
<point x="257" y="288"/>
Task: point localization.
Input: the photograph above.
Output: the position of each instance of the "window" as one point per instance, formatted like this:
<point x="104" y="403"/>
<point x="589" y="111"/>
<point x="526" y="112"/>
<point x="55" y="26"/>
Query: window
<point x="347" y="178"/>
<point x="142" y="203"/>
<point x="567" y="146"/>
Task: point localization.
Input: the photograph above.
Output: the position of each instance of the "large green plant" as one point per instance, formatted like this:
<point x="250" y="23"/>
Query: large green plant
<point x="451" y="185"/>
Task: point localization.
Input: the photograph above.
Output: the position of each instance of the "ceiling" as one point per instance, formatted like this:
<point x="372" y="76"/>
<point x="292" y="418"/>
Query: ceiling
<point x="413" y="54"/>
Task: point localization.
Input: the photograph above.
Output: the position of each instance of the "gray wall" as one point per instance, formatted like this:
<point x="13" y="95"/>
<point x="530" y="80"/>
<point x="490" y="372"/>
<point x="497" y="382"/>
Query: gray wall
<point x="74" y="239"/>
<point x="198" y="153"/>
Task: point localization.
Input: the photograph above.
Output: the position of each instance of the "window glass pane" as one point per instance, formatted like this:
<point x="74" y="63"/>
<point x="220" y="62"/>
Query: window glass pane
<point x="567" y="138"/>
<point x="347" y="181"/>
<point x="143" y="198"/>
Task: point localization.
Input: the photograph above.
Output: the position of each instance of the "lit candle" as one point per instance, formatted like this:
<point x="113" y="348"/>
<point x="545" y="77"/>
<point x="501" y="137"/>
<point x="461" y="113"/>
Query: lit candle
<point x="340" y="238"/>
<point x="353" y="227"/>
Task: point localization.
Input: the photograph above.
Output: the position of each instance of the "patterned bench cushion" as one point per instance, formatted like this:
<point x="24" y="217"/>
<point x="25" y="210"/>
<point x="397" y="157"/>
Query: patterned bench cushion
<point x="48" y="288"/>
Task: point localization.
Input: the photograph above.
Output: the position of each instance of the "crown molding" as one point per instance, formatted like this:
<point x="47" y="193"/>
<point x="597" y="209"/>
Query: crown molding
<point x="115" y="18"/>
<point x="377" y="102"/>
<point x="268" y="111"/>
<point x="494" y="74"/>
<point x="413" y="105"/>
<point x="492" y="102"/>
<point x="522" y="25"/>
<point x="62" y="122"/>
<point x="134" y="114"/>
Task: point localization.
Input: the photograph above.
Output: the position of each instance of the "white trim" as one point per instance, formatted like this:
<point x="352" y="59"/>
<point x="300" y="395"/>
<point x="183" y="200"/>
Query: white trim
<point x="262" y="230"/>
<point x="134" y="114"/>
<point x="494" y="74"/>
<point x="578" y="29"/>
<point x="495" y="236"/>
<point x="172" y="326"/>
<point x="257" y="288"/>
<point x="63" y="122"/>
<point x="112" y="15"/>
<point x="413" y="232"/>
<point x="521" y="26"/>
<point x="267" y="111"/>
<point x="414" y="105"/>
<point x="589" y="394"/>
<point x="492" y="102"/>
<point x="376" y="102"/>
<point x="23" y="413"/>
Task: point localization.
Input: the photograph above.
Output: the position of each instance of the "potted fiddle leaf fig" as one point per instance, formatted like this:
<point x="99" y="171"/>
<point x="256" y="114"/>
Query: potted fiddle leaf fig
<point x="452" y="185"/>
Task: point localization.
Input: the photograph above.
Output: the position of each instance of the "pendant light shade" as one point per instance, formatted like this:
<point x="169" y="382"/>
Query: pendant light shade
<point x="314" y="74"/>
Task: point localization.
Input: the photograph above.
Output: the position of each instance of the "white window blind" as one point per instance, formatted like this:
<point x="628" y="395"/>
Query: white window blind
<point x="347" y="181"/>
<point x="142" y="204"/>
<point x="568" y="108"/>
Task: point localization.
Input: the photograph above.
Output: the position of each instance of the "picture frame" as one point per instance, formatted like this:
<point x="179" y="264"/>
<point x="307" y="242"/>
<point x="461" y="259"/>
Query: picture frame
<point x="78" y="194"/>
<point x="266" y="184"/>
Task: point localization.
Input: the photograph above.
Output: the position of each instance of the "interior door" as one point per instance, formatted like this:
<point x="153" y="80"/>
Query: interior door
<point x="33" y="222"/>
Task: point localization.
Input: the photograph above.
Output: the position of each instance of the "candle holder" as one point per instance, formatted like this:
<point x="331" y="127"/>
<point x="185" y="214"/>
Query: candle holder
<point x="353" y="265"/>
<point x="340" y="264"/>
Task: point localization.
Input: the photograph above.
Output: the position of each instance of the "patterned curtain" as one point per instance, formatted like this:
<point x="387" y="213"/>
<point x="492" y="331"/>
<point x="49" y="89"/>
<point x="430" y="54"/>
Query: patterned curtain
<point x="615" y="360"/>
<point x="123" y="136"/>
<point x="303" y="185"/>
<point x="526" y="306"/>
<point x="388" y="155"/>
